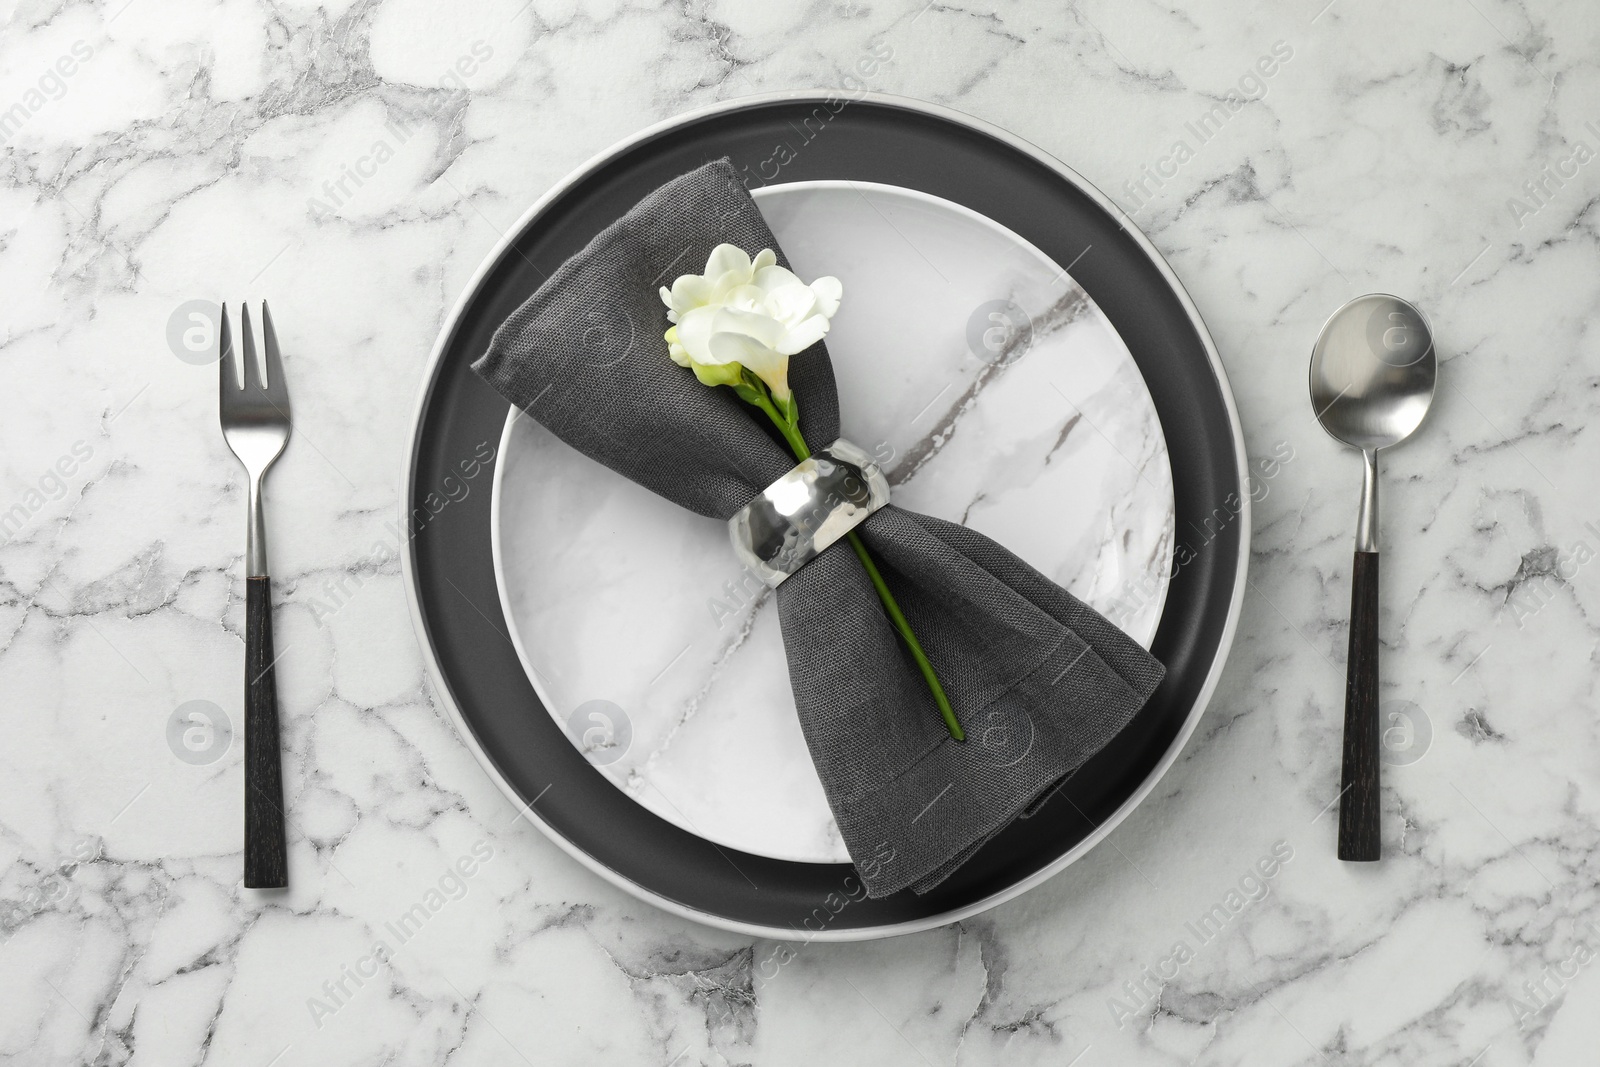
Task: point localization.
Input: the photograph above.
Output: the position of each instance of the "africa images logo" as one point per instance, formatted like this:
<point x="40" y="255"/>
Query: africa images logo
<point x="1252" y="888"/>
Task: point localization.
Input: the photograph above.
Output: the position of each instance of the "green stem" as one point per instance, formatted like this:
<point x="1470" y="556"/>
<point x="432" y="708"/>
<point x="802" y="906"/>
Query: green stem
<point x="797" y="445"/>
<point x="899" y="619"/>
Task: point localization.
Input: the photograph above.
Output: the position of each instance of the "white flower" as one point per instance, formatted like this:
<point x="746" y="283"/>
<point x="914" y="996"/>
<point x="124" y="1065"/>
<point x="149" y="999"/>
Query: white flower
<point x="745" y="312"/>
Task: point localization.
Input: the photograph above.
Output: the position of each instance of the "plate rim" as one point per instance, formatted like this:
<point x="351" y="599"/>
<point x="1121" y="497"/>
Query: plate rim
<point x="441" y="689"/>
<point x="514" y="414"/>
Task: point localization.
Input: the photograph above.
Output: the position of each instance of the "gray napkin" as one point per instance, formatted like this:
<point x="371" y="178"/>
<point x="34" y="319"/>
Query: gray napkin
<point x="1039" y="680"/>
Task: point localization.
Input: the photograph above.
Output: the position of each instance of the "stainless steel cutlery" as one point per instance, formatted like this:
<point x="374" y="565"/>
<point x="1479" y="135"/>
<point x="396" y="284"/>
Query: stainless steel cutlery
<point x="254" y="405"/>
<point x="1372" y="378"/>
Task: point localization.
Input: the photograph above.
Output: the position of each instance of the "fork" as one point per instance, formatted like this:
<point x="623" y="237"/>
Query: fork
<point x="255" y="423"/>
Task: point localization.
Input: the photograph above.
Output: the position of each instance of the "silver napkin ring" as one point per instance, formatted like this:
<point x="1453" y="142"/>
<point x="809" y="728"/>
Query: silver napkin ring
<point x="796" y="517"/>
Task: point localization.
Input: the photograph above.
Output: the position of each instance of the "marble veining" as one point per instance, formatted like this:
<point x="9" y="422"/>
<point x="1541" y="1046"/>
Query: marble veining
<point x="232" y="150"/>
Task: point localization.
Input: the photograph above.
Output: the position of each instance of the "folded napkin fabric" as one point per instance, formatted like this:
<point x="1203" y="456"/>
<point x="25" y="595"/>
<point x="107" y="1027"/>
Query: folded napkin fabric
<point x="1026" y="665"/>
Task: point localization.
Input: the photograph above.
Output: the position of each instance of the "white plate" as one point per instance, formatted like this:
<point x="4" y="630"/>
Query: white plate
<point x="996" y="395"/>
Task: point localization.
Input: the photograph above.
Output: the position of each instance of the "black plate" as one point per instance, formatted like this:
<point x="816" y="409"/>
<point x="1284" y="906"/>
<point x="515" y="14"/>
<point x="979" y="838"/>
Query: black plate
<point x="450" y="574"/>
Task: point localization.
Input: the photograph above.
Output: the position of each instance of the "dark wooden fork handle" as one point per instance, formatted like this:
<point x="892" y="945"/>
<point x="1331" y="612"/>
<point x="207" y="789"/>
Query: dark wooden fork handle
<point x="1360" y="817"/>
<point x="266" y="859"/>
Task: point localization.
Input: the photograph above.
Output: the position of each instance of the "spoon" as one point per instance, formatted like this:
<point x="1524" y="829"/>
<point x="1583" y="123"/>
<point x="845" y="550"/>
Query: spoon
<point x="1372" y="375"/>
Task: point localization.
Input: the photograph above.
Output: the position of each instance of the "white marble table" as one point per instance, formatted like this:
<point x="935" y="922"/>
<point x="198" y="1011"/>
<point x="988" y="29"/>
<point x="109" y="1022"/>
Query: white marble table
<point x="158" y="153"/>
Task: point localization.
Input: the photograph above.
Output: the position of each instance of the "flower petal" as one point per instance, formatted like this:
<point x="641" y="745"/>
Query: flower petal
<point x="746" y="298"/>
<point x="763" y="328"/>
<point x="674" y="349"/>
<point x="802" y="336"/>
<point x="771" y="367"/>
<point x="775" y="277"/>
<point x="726" y="283"/>
<point x="689" y="291"/>
<point x="694" y="333"/>
<point x="829" y="292"/>
<point x="792" y="304"/>
<point x="726" y="258"/>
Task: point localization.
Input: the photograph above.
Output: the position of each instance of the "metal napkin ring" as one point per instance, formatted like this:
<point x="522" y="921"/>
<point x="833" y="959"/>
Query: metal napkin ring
<point x="796" y="517"/>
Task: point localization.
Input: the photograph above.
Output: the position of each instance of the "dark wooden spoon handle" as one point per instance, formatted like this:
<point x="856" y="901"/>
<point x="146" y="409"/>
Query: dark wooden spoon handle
<point x="1360" y="834"/>
<point x="266" y="861"/>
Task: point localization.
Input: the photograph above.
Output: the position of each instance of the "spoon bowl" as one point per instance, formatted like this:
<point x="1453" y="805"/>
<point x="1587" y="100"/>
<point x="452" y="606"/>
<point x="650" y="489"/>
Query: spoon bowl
<point x="1373" y="372"/>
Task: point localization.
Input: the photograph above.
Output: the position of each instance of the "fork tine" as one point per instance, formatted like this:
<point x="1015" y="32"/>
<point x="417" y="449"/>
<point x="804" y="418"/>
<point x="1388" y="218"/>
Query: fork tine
<point x="252" y="373"/>
<point x="226" y="376"/>
<point x="277" y="388"/>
